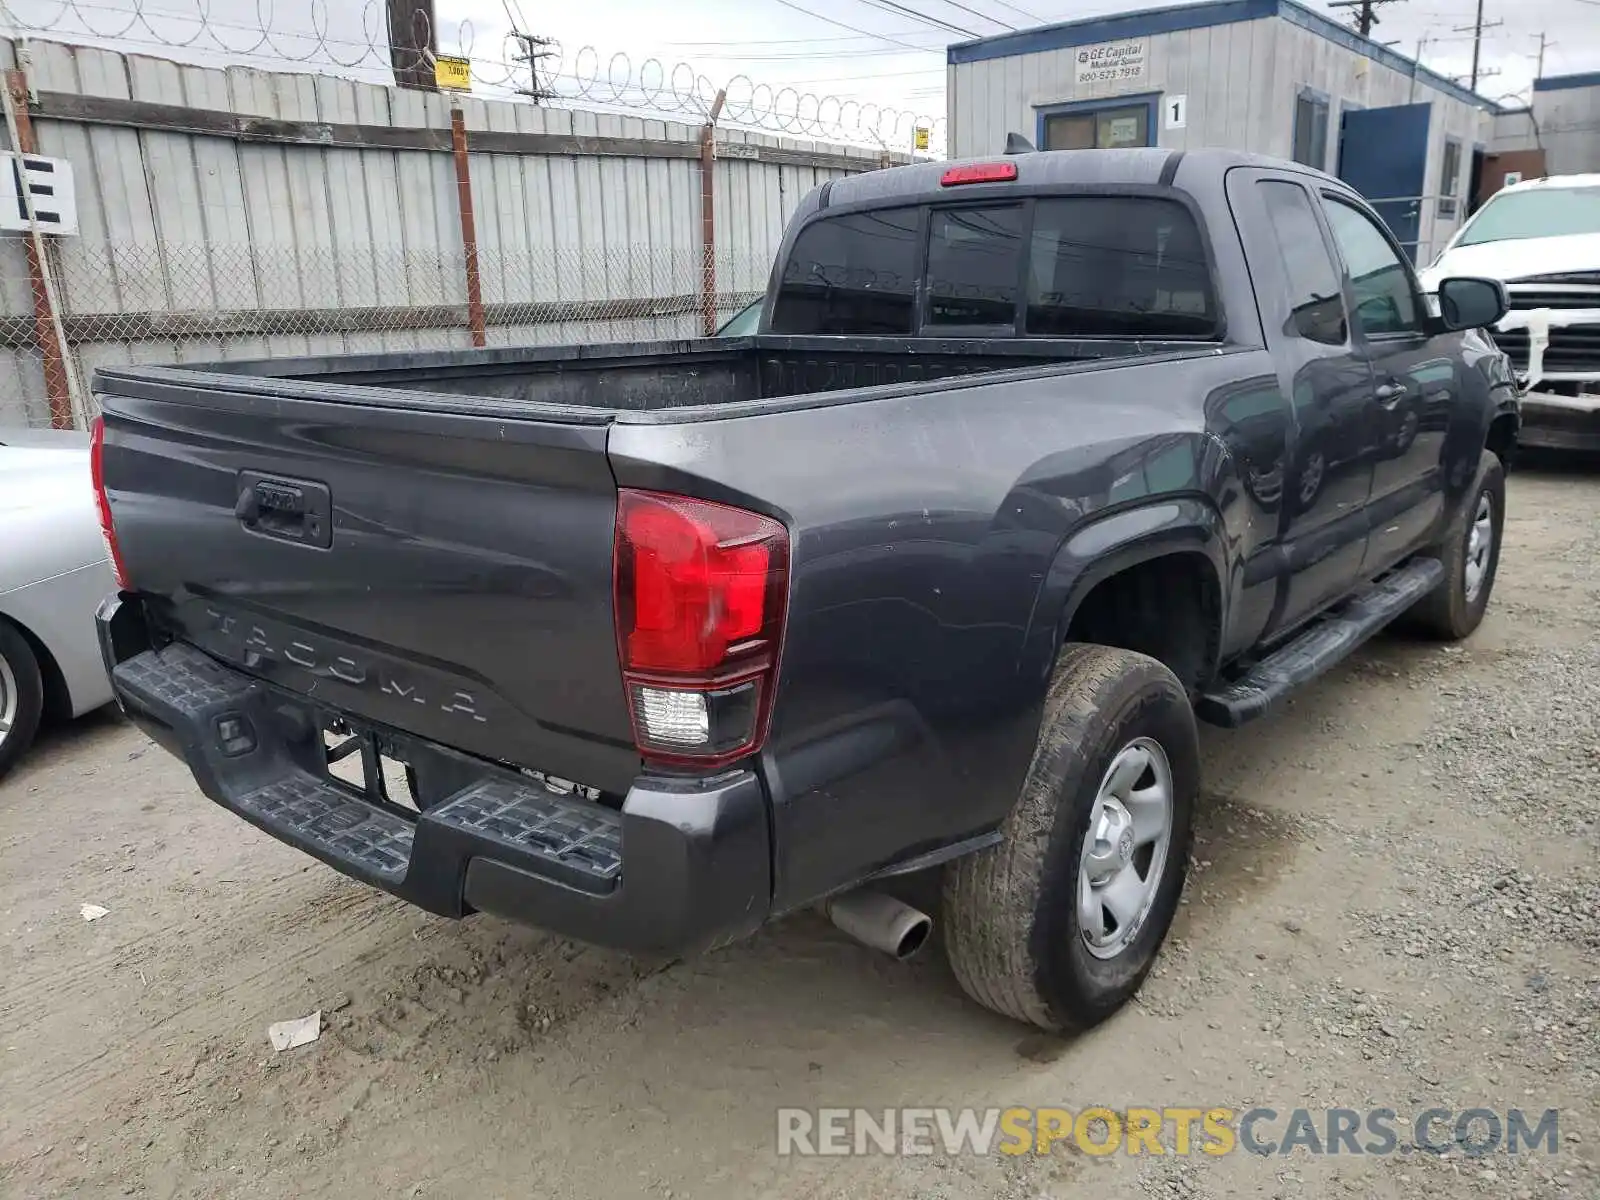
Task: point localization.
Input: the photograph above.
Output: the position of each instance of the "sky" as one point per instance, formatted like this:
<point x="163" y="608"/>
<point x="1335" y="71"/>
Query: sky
<point x="792" y="57"/>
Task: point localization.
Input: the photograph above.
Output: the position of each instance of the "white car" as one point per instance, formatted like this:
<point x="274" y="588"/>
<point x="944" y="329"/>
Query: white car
<point x="1542" y="240"/>
<point x="53" y="575"/>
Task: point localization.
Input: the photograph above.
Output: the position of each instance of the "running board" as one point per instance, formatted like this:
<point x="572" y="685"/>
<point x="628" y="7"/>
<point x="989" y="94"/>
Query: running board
<point x="1324" y="644"/>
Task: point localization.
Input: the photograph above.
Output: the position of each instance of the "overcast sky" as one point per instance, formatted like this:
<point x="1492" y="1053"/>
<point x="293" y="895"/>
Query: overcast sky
<point x="861" y="50"/>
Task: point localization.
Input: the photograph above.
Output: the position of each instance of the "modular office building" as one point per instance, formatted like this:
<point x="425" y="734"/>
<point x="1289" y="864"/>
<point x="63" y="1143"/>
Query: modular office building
<point x="1269" y="76"/>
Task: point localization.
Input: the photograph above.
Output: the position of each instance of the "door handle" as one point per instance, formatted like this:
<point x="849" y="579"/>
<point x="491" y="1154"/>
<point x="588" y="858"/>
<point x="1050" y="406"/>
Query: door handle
<point x="1390" y="394"/>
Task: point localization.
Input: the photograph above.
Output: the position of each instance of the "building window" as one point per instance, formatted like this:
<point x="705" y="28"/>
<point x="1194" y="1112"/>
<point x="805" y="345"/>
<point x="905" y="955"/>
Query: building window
<point x="1449" y="178"/>
<point x="1311" y="130"/>
<point x="1101" y="129"/>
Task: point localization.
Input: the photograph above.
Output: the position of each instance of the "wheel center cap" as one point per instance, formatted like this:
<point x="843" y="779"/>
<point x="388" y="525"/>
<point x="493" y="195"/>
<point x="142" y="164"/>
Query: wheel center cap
<point x="1125" y="847"/>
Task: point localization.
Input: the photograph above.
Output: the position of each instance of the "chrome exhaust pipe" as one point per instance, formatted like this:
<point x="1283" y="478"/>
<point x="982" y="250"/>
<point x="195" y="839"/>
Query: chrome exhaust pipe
<point x="878" y="920"/>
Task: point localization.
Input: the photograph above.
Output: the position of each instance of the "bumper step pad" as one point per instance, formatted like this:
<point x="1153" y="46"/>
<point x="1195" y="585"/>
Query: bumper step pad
<point x="278" y="786"/>
<point x="351" y="830"/>
<point x="580" y="840"/>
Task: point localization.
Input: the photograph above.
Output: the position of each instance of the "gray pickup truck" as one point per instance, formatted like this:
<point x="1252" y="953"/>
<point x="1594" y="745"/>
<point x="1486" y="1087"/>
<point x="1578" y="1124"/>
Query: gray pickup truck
<point x="1031" y="463"/>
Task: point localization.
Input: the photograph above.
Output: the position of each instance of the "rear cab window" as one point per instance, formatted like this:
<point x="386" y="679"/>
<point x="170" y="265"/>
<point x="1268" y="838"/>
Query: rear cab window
<point x="1089" y="266"/>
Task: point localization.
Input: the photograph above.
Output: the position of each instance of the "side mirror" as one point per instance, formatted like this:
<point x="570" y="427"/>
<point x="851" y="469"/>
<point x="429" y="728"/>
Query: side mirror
<point x="1468" y="303"/>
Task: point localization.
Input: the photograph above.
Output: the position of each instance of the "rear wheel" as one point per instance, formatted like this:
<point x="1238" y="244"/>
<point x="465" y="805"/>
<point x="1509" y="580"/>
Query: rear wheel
<point x="1470" y="553"/>
<point x="21" y="696"/>
<point x="1059" y="924"/>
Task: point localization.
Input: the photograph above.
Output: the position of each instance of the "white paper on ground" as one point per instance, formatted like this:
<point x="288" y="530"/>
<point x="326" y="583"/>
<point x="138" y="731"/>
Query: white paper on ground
<point x="93" y="912"/>
<point x="286" y="1035"/>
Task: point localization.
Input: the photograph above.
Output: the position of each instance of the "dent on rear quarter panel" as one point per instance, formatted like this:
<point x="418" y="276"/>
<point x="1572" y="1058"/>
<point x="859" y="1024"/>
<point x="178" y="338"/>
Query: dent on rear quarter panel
<point x="924" y="527"/>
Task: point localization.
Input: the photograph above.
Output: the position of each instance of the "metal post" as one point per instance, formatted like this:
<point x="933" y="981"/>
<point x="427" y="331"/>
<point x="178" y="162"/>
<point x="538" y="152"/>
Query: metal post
<point x="47" y="332"/>
<point x="1477" y="45"/>
<point x="708" y="224"/>
<point x="469" y="228"/>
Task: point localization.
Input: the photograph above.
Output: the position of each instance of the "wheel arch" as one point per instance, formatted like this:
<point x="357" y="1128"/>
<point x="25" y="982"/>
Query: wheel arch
<point x="1187" y="529"/>
<point x="57" y="695"/>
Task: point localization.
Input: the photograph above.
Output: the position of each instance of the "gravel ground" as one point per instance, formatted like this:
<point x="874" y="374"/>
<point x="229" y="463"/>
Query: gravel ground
<point x="1396" y="902"/>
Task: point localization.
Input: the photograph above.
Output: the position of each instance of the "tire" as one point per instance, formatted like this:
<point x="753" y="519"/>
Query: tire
<point x="21" y="696"/>
<point x="1454" y="609"/>
<point x="1013" y="930"/>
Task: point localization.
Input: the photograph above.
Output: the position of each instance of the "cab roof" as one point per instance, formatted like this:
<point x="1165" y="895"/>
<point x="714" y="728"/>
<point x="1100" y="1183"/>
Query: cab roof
<point x="1143" y="166"/>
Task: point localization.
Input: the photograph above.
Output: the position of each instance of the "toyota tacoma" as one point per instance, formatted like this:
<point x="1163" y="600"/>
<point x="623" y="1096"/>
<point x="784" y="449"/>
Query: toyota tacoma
<point x="1030" y="464"/>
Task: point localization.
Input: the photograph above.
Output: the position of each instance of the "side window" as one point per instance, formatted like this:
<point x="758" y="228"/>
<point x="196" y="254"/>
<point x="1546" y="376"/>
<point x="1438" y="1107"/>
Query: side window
<point x="1311" y="130"/>
<point x="851" y="274"/>
<point x="974" y="265"/>
<point x="1386" y="301"/>
<point x="1314" y="293"/>
<point x="1107" y="266"/>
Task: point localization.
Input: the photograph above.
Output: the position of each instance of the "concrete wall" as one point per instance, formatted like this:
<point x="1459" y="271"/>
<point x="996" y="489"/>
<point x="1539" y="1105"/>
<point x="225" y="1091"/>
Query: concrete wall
<point x="1567" y="110"/>
<point x="1513" y="129"/>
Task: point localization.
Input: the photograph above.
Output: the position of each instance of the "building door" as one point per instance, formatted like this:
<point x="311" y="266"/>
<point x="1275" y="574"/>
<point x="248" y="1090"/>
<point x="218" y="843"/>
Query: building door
<point x="1383" y="154"/>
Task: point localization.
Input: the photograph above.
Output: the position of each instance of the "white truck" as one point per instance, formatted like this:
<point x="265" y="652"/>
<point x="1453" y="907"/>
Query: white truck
<point x="1541" y="238"/>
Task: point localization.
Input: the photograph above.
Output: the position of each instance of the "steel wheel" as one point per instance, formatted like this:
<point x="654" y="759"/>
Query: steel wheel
<point x="1480" y="545"/>
<point x="1311" y="477"/>
<point x="1130" y="829"/>
<point x="10" y="697"/>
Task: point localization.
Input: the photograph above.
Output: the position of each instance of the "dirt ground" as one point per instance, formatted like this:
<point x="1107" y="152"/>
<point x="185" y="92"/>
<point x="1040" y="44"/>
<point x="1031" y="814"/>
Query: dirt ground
<point x="1396" y="903"/>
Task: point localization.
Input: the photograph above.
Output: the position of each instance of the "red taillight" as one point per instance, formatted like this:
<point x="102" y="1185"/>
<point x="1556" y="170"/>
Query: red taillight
<point x="700" y="591"/>
<point x="1000" y="172"/>
<point x="108" y="532"/>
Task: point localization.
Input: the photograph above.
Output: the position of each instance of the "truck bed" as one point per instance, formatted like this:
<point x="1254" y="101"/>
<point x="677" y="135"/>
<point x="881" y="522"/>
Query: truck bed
<point x="643" y="376"/>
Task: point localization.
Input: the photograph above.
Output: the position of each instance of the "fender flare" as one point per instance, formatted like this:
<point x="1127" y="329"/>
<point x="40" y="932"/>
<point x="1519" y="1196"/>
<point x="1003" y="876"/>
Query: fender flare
<point x="1111" y="542"/>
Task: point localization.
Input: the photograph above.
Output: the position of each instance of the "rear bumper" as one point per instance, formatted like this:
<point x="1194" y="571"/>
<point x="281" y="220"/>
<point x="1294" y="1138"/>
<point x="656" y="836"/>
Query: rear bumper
<point x="683" y="866"/>
<point x="1561" y="422"/>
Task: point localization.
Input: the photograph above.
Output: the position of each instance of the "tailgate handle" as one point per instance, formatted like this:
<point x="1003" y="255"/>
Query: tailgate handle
<point x="292" y="510"/>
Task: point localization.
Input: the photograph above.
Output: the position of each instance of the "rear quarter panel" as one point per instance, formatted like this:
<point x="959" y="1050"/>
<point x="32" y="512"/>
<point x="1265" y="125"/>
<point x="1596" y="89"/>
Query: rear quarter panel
<point x="926" y="527"/>
<point x="53" y="570"/>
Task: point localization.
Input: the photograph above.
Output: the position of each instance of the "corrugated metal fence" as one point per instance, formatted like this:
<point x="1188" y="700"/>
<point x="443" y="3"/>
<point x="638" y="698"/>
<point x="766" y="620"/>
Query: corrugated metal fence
<point x="239" y="213"/>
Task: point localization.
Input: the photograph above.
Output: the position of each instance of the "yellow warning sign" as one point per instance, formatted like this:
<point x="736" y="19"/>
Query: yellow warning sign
<point x="921" y="142"/>
<point x="453" y="73"/>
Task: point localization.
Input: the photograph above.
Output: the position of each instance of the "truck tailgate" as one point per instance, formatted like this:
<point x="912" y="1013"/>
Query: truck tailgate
<point x="433" y="568"/>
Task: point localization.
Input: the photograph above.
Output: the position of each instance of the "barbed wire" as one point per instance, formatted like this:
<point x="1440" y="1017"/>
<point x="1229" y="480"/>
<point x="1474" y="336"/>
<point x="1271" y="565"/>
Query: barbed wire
<point x="304" y="36"/>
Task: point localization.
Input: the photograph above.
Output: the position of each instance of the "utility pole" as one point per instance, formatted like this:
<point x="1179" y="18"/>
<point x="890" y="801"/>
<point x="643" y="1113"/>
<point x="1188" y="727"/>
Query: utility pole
<point x="1366" y="13"/>
<point x="413" y="41"/>
<point x="1544" y="44"/>
<point x="535" y="49"/>
<point x="1416" y="64"/>
<point x="1476" y="30"/>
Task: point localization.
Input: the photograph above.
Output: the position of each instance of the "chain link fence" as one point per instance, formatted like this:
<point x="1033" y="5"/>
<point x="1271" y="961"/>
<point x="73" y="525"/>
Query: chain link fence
<point x="120" y="303"/>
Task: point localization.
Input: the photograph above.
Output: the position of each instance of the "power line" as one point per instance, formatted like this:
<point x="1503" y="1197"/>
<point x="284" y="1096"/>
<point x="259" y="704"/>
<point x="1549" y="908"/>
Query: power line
<point x="895" y="7"/>
<point x="1024" y="13"/>
<point x="790" y="41"/>
<point x="882" y="37"/>
<point x="800" y="56"/>
<point x="982" y="16"/>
